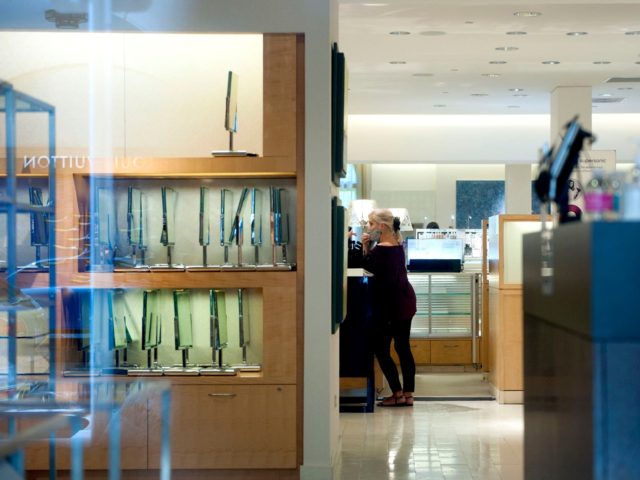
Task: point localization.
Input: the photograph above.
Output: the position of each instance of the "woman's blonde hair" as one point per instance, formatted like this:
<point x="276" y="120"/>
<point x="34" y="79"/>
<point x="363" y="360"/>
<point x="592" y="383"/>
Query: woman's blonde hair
<point x="385" y="217"/>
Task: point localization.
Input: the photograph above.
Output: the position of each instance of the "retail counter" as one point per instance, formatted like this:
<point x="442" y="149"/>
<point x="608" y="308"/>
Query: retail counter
<point x="582" y="352"/>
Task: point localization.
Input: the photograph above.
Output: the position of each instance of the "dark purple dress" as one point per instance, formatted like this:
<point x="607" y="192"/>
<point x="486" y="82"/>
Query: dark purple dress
<point x="394" y="305"/>
<point x="393" y="295"/>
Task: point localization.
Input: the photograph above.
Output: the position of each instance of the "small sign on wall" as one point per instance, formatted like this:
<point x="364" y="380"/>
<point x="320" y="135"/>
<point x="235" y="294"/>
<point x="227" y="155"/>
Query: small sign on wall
<point x="589" y="161"/>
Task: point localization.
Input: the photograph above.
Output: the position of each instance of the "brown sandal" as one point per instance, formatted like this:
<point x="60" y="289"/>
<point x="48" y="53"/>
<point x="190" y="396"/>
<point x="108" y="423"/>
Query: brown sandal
<point x="408" y="400"/>
<point x="393" y="401"/>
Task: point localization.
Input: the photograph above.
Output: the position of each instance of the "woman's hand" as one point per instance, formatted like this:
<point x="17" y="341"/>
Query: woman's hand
<point x="366" y="242"/>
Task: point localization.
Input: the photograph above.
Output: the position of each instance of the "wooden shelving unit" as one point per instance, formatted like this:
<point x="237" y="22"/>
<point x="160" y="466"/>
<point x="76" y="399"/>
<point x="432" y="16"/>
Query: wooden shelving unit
<point x="251" y="420"/>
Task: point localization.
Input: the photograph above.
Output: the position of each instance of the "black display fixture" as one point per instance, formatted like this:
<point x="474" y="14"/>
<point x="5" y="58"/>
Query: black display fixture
<point x="338" y="264"/>
<point x="339" y="92"/>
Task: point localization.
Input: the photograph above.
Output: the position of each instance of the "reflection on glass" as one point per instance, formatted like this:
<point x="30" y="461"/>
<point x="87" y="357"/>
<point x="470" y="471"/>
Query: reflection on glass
<point x="39" y="230"/>
<point x="182" y="319"/>
<point x="106" y="217"/>
<point x="119" y="337"/>
<point x="137" y="222"/>
<point x="84" y="298"/>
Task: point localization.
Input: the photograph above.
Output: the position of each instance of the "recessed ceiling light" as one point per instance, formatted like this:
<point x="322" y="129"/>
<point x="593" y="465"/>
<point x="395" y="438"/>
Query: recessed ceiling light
<point x="625" y="88"/>
<point x="399" y="32"/>
<point x="423" y="74"/>
<point x="469" y="22"/>
<point x="497" y="62"/>
<point x="513" y="106"/>
<point x="506" y="49"/>
<point x="444" y="93"/>
<point x="601" y="62"/>
<point x="517" y="33"/>
<point x="433" y="33"/>
<point x="516" y="89"/>
<point x="528" y="13"/>
<point x="439" y="105"/>
<point x="455" y="69"/>
<point x="632" y="32"/>
<point x="577" y="34"/>
<point x="520" y="95"/>
<point x="397" y="62"/>
<point x="479" y="94"/>
<point x="550" y="62"/>
<point x="491" y="75"/>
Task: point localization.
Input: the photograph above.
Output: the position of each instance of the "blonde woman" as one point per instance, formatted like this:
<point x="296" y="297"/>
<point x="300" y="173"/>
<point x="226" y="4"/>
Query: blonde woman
<point x="394" y="304"/>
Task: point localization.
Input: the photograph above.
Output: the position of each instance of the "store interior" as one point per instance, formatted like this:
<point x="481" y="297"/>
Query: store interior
<point x="127" y="103"/>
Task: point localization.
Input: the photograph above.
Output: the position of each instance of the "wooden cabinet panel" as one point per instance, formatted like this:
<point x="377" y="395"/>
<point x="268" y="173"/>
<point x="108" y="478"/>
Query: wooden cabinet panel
<point x="421" y="350"/>
<point x="230" y="426"/>
<point x="133" y="442"/>
<point x="450" y="352"/>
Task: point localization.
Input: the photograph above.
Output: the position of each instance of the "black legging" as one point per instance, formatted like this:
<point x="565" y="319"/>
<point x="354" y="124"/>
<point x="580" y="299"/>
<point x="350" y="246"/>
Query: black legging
<point x="399" y="331"/>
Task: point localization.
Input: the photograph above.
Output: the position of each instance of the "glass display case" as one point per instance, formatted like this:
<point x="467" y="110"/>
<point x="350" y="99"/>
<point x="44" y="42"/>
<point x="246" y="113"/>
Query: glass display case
<point x="448" y="305"/>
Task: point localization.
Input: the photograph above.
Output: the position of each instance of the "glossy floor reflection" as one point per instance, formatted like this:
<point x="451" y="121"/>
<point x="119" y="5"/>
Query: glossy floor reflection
<point x="433" y="440"/>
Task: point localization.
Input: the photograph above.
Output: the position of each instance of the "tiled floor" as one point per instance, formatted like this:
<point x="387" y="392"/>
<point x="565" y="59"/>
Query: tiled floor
<point x="433" y="440"/>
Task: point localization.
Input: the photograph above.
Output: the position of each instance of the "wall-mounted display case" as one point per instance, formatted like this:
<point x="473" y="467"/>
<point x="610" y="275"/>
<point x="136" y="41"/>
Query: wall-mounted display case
<point x="142" y="274"/>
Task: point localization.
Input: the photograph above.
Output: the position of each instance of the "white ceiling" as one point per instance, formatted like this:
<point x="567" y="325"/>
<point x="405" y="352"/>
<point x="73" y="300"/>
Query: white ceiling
<point x="458" y="61"/>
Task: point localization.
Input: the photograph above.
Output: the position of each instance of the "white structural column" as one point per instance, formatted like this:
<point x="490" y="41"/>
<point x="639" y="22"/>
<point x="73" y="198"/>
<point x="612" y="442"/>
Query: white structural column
<point x="517" y="179"/>
<point x="566" y="103"/>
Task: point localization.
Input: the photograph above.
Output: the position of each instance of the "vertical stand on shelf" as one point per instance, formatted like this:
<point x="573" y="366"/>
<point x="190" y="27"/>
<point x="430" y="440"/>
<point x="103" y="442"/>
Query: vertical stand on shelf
<point x="183" y="327"/>
<point x="218" y="338"/>
<point x="244" y="335"/>
<point x="104" y="230"/>
<point x="279" y="224"/>
<point x="226" y="221"/>
<point x="137" y="225"/>
<point x="256" y="224"/>
<point x="237" y="229"/>
<point x="151" y="334"/>
<point x="204" y="236"/>
<point x="168" y="235"/>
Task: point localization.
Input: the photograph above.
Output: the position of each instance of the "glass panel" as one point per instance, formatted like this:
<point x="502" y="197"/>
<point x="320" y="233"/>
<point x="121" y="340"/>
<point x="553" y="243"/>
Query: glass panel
<point x="106" y="217"/>
<point x="150" y="320"/>
<point x="243" y="320"/>
<point x="279" y="199"/>
<point x="204" y="234"/>
<point x="237" y="219"/>
<point x="39" y="230"/>
<point x="117" y="315"/>
<point x="169" y="203"/>
<point x="226" y="217"/>
<point x="256" y="217"/>
<point x="218" y="312"/>
<point x="182" y="319"/>
<point x="136" y="217"/>
<point x="284" y="222"/>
